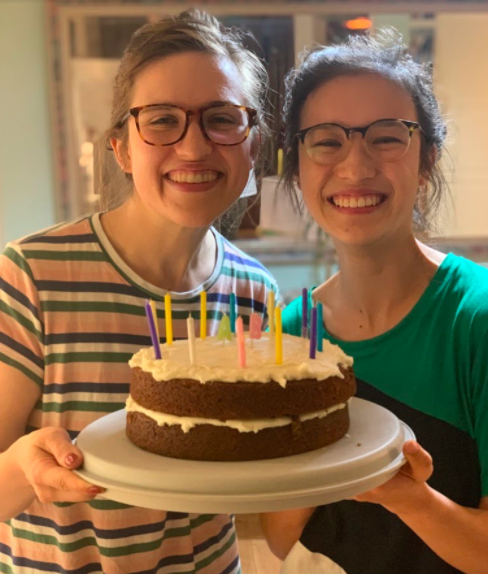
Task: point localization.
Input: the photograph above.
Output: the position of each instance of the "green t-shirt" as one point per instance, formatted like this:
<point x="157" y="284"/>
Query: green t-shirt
<point x="432" y="371"/>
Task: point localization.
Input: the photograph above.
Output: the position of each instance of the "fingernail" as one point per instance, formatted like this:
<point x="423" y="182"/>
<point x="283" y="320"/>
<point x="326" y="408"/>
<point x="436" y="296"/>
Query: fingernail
<point x="96" y="490"/>
<point x="412" y="447"/>
<point x="70" y="459"/>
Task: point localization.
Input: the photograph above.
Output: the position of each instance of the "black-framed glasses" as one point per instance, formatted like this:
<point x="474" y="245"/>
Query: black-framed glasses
<point x="167" y="124"/>
<point x="385" y="140"/>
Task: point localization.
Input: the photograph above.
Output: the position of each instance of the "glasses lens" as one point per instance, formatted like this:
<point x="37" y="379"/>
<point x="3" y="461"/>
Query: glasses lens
<point x="226" y="125"/>
<point x="161" y="125"/>
<point x="387" y="140"/>
<point x="325" y="144"/>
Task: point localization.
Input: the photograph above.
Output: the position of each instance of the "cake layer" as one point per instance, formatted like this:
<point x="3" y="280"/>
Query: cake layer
<point x="240" y="400"/>
<point x="221" y="443"/>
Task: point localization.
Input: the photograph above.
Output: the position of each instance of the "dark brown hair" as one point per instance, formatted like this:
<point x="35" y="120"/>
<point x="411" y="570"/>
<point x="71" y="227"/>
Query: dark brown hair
<point x="385" y="55"/>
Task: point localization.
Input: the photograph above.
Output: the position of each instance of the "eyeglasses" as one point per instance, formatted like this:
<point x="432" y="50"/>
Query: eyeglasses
<point x="385" y="140"/>
<point x="166" y="124"/>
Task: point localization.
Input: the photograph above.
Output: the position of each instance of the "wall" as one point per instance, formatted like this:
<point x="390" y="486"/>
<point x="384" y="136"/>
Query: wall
<point x="461" y="63"/>
<point x="26" y="167"/>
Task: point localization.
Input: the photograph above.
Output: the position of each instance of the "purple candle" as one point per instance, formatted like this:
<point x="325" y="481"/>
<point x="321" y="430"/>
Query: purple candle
<point x="313" y="333"/>
<point x="304" y="312"/>
<point x="152" y="330"/>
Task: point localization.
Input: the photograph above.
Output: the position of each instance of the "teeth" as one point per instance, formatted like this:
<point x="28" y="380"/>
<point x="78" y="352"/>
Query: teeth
<point x="192" y="177"/>
<point x="353" y="202"/>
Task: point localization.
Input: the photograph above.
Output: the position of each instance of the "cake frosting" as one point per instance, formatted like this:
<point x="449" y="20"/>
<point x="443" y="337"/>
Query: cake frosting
<point x="218" y="361"/>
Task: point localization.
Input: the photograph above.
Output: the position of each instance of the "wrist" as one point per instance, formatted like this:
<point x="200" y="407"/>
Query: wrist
<point x="14" y="456"/>
<point x="421" y="503"/>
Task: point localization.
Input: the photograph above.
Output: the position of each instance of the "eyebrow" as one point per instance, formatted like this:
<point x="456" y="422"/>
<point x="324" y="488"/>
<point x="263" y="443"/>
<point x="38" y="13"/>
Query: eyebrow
<point x="206" y="105"/>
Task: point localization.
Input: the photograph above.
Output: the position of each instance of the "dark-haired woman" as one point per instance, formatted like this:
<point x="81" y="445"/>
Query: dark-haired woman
<point x="364" y="136"/>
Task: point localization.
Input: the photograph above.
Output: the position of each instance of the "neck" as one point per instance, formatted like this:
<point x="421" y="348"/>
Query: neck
<point x="167" y="255"/>
<point x="376" y="286"/>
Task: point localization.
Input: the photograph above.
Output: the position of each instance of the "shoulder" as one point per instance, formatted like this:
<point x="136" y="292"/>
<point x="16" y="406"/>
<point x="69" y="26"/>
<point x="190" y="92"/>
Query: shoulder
<point x="467" y="283"/>
<point x="237" y="262"/>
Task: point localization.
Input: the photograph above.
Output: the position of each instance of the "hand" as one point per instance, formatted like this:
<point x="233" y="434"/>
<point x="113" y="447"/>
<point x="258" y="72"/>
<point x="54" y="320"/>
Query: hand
<point x="408" y="490"/>
<point x="46" y="457"/>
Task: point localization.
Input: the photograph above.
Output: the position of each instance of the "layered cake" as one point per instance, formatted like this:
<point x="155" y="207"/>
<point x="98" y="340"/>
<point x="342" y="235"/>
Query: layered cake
<point x="216" y="410"/>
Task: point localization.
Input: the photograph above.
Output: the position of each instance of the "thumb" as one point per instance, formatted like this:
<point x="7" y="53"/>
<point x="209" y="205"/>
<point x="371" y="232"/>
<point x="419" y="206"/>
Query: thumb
<point x="59" y="445"/>
<point x="419" y="462"/>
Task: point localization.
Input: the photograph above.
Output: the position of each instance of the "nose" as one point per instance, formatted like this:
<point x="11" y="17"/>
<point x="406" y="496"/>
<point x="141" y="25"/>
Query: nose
<point x="358" y="164"/>
<point x="194" y="146"/>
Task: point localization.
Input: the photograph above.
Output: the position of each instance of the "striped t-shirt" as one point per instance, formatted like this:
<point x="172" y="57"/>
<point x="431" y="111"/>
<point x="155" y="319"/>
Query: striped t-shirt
<point x="71" y="316"/>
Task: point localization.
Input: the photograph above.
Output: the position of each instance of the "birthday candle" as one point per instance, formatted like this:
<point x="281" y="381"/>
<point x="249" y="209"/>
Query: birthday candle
<point x="279" y="167"/>
<point x="169" y="319"/>
<point x="224" y="329"/>
<point x="155" y="316"/>
<point x="255" y="326"/>
<point x="278" y="337"/>
<point x="203" y="315"/>
<point x="152" y="330"/>
<point x="190" y="325"/>
<point x="320" y="327"/>
<point x="313" y="333"/>
<point x="271" y="311"/>
<point x="232" y="302"/>
<point x="304" y="312"/>
<point x="241" y="345"/>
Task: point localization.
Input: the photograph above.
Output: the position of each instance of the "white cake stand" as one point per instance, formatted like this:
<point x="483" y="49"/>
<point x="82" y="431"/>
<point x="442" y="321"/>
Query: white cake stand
<point x="369" y="455"/>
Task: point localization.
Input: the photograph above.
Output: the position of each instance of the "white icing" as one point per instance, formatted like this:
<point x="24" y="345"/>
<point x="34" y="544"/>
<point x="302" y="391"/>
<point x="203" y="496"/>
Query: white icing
<point x="218" y="361"/>
<point x="252" y="425"/>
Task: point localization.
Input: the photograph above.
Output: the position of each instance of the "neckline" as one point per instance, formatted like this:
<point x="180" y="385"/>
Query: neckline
<point x="437" y="281"/>
<point x="148" y="288"/>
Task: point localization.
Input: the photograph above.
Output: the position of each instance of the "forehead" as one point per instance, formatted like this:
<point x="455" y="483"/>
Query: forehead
<point x="357" y="101"/>
<point x="191" y="79"/>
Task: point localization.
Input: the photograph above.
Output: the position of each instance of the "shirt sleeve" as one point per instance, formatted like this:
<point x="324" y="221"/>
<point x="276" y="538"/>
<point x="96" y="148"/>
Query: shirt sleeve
<point x="21" y="326"/>
<point x="480" y="408"/>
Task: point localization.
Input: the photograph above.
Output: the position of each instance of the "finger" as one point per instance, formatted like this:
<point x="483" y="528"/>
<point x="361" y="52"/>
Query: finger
<point x="419" y="462"/>
<point x="57" y="442"/>
<point x="47" y="494"/>
<point x="46" y="472"/>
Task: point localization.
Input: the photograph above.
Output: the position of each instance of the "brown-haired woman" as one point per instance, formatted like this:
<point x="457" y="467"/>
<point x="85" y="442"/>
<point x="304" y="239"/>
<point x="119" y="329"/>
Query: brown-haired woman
<point x="186" y="124"/>
<point x="364" y="135"/>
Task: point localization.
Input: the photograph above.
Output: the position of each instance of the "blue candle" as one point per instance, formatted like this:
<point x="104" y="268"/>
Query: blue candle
<point x="320" y="327"/>
<point x="313" y="333"/>
<point x="232" y="312"/>
<point x="304" y="312"/>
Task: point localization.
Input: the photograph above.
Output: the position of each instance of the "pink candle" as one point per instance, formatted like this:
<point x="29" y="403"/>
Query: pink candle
<point x="241" y="346"/>
<point x="255" y="326"/>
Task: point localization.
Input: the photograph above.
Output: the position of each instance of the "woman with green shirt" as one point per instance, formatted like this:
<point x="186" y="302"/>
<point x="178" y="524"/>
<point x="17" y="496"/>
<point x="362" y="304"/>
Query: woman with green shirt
<point x="364" y="137"/>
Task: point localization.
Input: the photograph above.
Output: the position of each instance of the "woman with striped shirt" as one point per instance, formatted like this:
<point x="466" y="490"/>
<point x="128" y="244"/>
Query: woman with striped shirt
<point x="186" y="125"/>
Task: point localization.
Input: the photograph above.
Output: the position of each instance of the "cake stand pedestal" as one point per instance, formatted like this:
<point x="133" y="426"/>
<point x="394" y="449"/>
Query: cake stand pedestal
<point x="369" y="455"/>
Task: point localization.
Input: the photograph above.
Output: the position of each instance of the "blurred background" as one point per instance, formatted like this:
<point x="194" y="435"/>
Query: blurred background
<point x="58" y="59"/>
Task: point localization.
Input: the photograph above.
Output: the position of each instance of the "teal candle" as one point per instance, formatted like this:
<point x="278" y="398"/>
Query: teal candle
<point x="233" y="315"/>
<point x="320" y="327"/>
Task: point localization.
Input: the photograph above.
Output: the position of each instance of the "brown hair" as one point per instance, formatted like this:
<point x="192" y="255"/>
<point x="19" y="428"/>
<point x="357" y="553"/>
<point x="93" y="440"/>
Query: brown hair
<point x="190" y="31"/>
<point x="385" y="55"/>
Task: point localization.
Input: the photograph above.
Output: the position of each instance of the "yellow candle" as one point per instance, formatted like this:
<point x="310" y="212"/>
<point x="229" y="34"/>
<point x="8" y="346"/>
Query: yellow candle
<point x="279" y="167"/>
<point x="271" y="312"/>
<point x="190" y="325"/>
<point x="278" y="337"/>
<point x="203" y="315"/>
<point x="155" y="316"/>
<point x="169" y="319"/>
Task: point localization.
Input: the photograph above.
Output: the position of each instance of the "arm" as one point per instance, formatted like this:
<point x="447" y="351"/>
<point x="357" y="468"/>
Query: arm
<point x="35" y="465"/>
<point x="457" y="534"/>
<point x="283" y="529"/>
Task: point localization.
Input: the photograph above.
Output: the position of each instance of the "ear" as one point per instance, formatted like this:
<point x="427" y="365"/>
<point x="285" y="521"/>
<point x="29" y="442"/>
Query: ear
<point x="255" y="144"/>
<point x="122" y="154"/>
<point x="424" y="175"/>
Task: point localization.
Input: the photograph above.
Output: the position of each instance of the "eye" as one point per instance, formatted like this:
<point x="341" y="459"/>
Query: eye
<point x="328" y="143"/>
<point x="164" y="120"/>
<point x="387" y="140"/>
